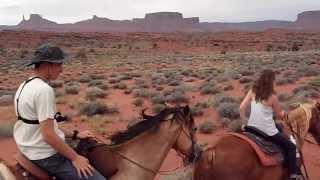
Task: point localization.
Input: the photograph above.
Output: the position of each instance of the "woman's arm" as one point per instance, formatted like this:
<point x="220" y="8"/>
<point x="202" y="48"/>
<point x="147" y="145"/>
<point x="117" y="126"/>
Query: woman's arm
<point x="279" y="112"/>
<point x="243" y="106"/>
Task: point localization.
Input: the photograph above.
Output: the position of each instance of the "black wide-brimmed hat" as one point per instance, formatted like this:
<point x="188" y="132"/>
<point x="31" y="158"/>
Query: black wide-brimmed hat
<point x="48" y="53"/>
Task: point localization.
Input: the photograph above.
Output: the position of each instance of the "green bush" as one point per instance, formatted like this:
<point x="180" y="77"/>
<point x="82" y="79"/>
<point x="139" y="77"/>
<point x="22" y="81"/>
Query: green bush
<point x="94" y="108"/>
<point x="6" y="100"/>
<point x="95" y="82"/>
<point x="95" y="92"/>
<point x="56" y="83"/>
<point x="72" y="89"/>
<point x="137" y="102"/>
<point x="6" y="129"/>
<point x="157" y="108"/>
<point x="228" y="110"/>
<point x="84" y="78"/>
<point x="207" y="127"/>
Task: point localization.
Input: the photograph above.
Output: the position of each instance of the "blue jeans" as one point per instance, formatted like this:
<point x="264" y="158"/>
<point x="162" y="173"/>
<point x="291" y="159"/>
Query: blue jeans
<point x="63" y="169"/>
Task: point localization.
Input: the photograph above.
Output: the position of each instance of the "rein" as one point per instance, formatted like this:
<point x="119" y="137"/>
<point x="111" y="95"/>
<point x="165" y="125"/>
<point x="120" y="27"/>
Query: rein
<point x="194" y="153"/>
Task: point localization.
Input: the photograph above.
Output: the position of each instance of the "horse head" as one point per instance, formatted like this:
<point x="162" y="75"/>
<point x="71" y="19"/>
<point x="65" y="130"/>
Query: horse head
<point x="186" y="144"/>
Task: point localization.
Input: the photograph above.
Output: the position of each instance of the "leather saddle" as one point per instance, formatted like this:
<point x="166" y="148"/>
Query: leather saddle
<point x="31" y="168"/>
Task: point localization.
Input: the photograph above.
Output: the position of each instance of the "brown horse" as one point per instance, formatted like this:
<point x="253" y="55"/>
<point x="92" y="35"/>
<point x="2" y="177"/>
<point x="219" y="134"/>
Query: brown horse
<point x="231" y="158"/>
<point x="138" y="152"/>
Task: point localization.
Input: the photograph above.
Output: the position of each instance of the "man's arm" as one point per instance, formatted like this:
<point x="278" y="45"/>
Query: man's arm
<point x="81" y="163"/>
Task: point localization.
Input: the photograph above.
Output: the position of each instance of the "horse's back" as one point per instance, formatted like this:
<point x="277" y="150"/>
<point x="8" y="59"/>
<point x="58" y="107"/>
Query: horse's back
<point x="232" y="157"/>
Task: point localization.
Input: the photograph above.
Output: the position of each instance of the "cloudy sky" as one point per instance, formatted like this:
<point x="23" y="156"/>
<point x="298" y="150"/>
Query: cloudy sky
<point x="69" y="11"/>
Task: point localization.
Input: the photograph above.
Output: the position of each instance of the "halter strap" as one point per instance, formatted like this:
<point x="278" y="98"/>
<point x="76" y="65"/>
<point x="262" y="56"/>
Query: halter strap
<point x="27" y="121"/>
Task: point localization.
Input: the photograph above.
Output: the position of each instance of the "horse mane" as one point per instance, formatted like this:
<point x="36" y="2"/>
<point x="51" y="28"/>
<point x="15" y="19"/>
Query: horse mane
<point x="148" y="123"/>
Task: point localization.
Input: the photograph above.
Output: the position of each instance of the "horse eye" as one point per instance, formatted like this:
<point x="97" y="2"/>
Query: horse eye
<point x="195" y="129"/>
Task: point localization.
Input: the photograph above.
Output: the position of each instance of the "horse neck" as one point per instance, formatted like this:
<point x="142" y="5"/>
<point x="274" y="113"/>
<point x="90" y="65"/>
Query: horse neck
<point x="298" y="122"/>
<point x="148" y="149"/>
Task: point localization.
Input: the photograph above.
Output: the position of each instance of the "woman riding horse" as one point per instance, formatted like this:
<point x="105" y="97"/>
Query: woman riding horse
<point x="264" y="103"/>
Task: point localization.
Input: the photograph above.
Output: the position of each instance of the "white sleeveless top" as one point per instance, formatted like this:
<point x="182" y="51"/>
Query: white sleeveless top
<point x="261" y="117"/>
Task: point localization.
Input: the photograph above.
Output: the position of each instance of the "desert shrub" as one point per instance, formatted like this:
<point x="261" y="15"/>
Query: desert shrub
<point x="157" y="108"/>
<point x="177" y="97"/>
<point x="141" y="92"/>
<point x="225" y="122"/>
<point x="81" y="54"/>
<point x="244" y="80"/>
<point x="114" y="80"/>
<point x="56" y="83"/>
<point x="158" y="99"/>
<point x="221" y="98"/>
<point x="306" y="91"/>
<point x="103" y="86"/>
<point x="235" y="125"/>
<point x="209" y="88"/>
<point x="94" y="108"/>
<point x="120" y="86"/>
<point x="308" y="71"/>
<point x="174" y="82"/>
<point x="207" y="127"/>
<point x="228" y="87"/>
<point x="247" y="72"/>
<point x="72" y="89"/>
<point x="190" y="80"/>
<point x="315" y="82"/>
<point x="284" y="97"/>
<point x="58" y="93"/>
<point x="84" y="78"/>
<point x="125" y="77"/>
<point x="159" y="88"/>
<point x="97" y="76"/>
<point x="197" y="110"/>
<point x="6" y="100"/>
<point x="228" y="110"/>
<point x="95" y="82"/>
<point x="285" y="80"/>
<point x="95" y="92"/>
<point x="186" y="72"/>
<point x="128" y="91"/>
<point x="6" y="129"/>
<point x="137" y="102"/>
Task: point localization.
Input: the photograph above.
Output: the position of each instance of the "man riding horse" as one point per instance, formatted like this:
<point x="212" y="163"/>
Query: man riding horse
<point x="36" y="132"/>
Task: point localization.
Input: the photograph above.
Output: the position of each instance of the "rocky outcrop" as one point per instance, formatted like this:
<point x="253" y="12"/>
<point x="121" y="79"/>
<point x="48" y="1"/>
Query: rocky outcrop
<point x="308" y="17"/>
<point x="309" y="20"/>
<point x="36" y="22"/>
<point x="166" y="22"/>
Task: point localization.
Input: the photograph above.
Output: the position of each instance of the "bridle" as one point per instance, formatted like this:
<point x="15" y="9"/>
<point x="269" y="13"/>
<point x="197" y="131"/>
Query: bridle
<point x="191" y="157"/>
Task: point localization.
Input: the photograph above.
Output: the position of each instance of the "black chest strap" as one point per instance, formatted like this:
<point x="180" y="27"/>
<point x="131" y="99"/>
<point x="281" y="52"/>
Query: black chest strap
<point x="17" y="102"/>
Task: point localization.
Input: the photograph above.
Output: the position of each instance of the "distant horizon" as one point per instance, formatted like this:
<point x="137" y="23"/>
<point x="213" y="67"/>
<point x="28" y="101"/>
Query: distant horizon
<point x="228" y="11"/>
<point x="28" y="17"/>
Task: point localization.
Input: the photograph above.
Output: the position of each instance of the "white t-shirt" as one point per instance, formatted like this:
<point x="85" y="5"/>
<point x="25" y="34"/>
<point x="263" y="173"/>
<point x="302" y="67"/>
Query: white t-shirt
<point x="261" y="117"/>
<point x="36" y="102"/>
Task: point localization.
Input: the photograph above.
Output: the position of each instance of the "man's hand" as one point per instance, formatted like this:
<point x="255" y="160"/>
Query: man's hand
<point x="85" y="134"/>
<point x="84" y="169"/>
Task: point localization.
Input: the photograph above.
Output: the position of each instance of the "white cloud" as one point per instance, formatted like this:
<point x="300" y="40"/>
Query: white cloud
<point x="66" y="11"/>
